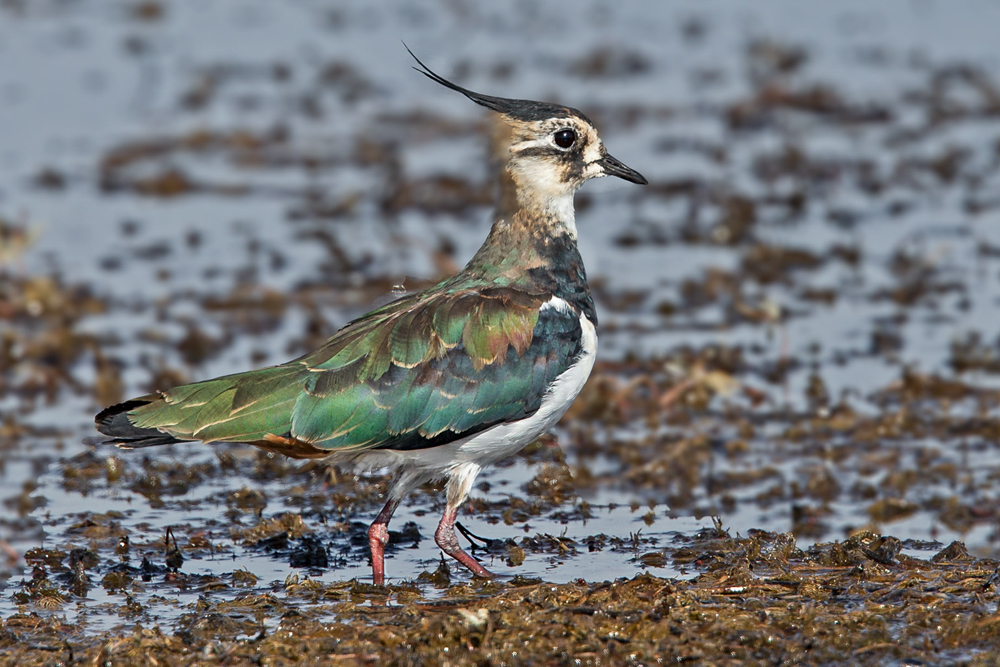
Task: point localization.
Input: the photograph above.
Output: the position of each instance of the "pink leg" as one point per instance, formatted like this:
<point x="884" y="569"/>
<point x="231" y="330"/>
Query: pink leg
<point x="378" y="537"/>
<point x="446" y="539"/>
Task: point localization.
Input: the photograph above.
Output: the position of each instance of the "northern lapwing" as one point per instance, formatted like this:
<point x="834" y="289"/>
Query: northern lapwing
<point x="439" y="383"/>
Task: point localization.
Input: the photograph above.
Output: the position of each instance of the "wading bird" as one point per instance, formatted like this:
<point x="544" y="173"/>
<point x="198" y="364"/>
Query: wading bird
<point x="439" y="383"/>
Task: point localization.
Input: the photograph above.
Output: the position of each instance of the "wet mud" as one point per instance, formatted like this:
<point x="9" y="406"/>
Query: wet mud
<point x="786" y="454"/>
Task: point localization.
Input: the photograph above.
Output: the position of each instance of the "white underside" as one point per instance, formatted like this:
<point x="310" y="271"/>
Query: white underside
<point x="461" y="461"/>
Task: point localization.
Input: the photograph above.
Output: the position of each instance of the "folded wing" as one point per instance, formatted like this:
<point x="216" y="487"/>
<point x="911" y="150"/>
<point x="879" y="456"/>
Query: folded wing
<point x="420" y="372"/>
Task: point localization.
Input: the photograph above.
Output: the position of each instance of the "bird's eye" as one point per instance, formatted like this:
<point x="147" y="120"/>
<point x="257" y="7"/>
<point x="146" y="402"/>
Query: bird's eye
<point x="565" y="138"/>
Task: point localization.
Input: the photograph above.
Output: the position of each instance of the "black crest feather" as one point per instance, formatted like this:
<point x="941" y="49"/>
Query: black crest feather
<point x="526" y="110"/>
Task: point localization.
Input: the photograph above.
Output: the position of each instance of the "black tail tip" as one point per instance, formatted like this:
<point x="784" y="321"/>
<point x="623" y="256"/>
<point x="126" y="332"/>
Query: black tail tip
<point x="106" y="417"/>
<point x="115" y="423"/>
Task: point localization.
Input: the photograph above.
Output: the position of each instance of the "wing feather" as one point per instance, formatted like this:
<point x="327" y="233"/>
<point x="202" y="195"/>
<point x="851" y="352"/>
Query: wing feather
<point x="419" y="372"/>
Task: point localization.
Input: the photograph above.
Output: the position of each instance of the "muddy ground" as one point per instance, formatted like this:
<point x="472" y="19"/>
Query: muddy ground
<point x="787" y="453"/>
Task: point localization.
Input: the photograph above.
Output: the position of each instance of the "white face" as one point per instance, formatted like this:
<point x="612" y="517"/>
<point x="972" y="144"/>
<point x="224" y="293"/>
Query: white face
<point x="554" y="157"/>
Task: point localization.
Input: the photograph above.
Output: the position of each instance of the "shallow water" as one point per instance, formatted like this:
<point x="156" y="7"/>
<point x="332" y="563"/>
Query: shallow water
<point x="230" y="183"/>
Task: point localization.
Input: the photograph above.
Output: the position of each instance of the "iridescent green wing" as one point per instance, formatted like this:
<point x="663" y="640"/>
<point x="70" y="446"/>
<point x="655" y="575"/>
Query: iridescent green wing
<point x="419" y="372"/>
<point x="254" y="407"/>
<point x="246" y="407"/>
<point x="443" y="369"/>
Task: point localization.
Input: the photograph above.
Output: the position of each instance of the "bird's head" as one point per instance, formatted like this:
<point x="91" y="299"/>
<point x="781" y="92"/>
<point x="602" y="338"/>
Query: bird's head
<point x="553" y="149"/>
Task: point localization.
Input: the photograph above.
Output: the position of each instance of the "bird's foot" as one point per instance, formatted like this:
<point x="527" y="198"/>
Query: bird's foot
<point x="490" y="545"/>
<point x="474" y="565"/>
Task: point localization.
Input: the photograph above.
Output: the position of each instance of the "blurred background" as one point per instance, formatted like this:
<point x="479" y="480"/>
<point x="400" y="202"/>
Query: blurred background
<point x="798" y="314"/>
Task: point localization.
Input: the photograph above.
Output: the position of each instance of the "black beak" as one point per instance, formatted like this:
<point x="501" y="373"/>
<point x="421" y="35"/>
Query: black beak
<point x="614" y="167"/>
